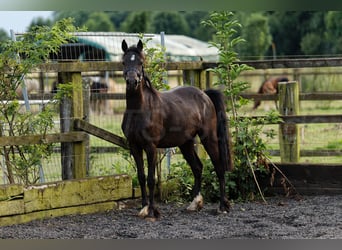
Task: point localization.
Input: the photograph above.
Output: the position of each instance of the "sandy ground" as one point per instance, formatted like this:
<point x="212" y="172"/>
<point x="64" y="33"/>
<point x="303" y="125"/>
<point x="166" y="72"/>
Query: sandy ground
<point x="282" y="218"/>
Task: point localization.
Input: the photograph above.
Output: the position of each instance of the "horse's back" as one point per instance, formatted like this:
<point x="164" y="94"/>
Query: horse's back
<point x="185" y="94"/>
<point x="186" y="111"/>
<point x="188" y="99"/>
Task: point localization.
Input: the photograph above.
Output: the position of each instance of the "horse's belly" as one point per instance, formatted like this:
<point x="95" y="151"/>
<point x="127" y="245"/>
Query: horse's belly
<point x="173" y="139"/>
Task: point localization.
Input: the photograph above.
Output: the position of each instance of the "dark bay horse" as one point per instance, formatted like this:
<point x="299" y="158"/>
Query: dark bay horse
<point x="270" y="86"/>
<point x="172" y="118"/>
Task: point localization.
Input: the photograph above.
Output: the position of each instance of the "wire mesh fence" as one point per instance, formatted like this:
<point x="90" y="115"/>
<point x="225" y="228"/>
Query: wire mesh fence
<point x="107" y="104"/>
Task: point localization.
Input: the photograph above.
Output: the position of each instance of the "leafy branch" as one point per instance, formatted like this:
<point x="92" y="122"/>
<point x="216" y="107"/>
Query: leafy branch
<point x="17" y="60"/>
<point x="249" y="147"/>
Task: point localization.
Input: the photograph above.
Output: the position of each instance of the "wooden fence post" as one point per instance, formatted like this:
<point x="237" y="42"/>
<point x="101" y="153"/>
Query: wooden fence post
<point x="289" y="133"/>
<point x="196" y="78"/>
<point x="73" y="155"/>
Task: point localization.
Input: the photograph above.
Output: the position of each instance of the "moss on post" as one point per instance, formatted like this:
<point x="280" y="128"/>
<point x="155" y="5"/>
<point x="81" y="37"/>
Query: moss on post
<point x="289" y="133"/>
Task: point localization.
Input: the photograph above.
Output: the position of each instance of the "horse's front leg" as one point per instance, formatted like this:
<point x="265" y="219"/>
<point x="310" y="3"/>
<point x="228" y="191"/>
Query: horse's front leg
<point x="138" y="158"/>
<point x="149" y="211"/>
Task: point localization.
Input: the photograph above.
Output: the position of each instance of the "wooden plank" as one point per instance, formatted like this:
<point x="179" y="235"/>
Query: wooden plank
<point x="77" y="192"/>
<point x="76" y="136"/>
<point x="315" y="173"/>
<point x="110" y="66"/>
<point x="294" y="63"/>
<point x="312" y="119"/>
<point x="307" y="152"/>
<point x="8" y="192"/>
<point x="12" y="207"/>
<point x="303" y="118"/>
<point x="263" y="97"/>
<point x="197" y="65"/>
<point x="302" y="96"/>
<point x="51" y="213"/>
<point x="320" y="96"/>
<point x="101" y="133"/>
<point x="309" y="179"/>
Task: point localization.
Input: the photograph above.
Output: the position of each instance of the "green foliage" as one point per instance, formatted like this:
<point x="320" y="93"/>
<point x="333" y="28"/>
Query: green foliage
<point x="136" y="22"/>
<point x="64" y="90"/>
<point x="99" y="21"/>
<point x="170" y="22"/>
<point x="18" y="58"/>
<point x="333" y="31"/>
<point x="257" y="34"/>
<point x="249" y="148"/>
<point x="155" y="64"/>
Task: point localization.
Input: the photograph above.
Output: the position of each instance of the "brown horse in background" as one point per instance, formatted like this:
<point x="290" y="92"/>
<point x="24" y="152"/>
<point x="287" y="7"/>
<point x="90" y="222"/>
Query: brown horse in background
<point x="270" y="86"/>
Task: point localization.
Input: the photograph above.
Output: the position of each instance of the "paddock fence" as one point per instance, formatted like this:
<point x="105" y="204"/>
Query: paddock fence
<point x="77" y="128"/>
<point x="195" y="73"/>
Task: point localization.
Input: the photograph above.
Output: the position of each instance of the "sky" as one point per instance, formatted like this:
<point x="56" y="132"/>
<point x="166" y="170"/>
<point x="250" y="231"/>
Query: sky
<point x="18" y="21"/>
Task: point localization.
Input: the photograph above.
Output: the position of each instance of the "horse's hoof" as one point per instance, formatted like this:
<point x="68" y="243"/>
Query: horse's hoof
<point x="143" y="212"/>
<point x="149" y="214"/>
<point x="219" y="211"/>
<point x="196" y="204"/>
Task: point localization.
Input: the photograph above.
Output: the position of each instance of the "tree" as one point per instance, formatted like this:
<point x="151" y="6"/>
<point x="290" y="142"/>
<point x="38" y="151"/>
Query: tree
<point x="312" y="44"/>
<point x="3" y="37"/>
<point x="118" y="17"/>
<point x="34" y="47"/>
<point x="257" y="34"/>
<point x="194" y="19"/>
<point x="80" y="17"/>
<point x="333" y="21"/>
<point x="136" y="22"/>
<point x="99" y="21"/>
<point x="40" y="21"/>
<point x="313" y="41"/>
<point x="170" y="22"/>
<point x="286" y="32"/>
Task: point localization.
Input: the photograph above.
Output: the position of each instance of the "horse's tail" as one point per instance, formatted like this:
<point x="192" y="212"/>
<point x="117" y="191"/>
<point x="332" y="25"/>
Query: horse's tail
<point x="222" y="128"/>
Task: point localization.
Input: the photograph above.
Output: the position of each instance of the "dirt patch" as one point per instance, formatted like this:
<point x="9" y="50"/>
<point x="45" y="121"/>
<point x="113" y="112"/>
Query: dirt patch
<point x="281" y="218"/>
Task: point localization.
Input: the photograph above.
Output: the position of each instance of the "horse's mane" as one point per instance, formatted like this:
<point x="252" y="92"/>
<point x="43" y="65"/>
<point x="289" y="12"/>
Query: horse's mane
<point x="282" y="79"/>
<point x="149" y="85"/>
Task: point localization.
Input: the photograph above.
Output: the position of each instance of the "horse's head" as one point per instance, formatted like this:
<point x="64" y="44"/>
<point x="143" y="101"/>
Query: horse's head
<point x="133" y="60"/>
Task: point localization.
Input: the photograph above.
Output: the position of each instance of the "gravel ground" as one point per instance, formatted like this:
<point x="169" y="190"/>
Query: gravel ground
<point x="283" y="218"/>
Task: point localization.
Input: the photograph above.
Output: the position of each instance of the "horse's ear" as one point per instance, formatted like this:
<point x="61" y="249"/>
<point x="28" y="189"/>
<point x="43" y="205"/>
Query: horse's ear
<point x="124" y="46"/>
<point x="140" y="45"/>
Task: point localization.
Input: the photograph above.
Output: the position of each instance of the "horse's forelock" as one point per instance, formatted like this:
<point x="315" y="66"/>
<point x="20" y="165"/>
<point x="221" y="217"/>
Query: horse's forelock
<point x="135" y="50"/>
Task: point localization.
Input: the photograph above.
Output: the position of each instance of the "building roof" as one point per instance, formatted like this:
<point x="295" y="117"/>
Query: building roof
<point x="106" y="46"/>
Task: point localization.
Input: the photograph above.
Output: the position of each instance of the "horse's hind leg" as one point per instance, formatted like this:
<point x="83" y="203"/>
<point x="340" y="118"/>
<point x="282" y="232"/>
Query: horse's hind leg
<point x="210" y="144"/>
<point x="189" y="153"/>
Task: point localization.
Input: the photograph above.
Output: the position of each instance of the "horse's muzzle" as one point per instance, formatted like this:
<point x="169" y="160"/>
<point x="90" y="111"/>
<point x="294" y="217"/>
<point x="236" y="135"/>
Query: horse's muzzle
<point x="132" y="81"/>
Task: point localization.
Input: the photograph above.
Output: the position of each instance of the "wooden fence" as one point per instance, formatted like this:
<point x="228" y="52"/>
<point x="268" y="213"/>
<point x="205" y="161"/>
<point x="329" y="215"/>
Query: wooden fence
<point x="195" y="73"/>
<point x="75" y="129"/>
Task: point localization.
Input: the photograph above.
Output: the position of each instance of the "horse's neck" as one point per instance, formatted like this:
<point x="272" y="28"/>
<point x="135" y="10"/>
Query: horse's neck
<point x="140" y="99"/>
<point x="134" y="101"/>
